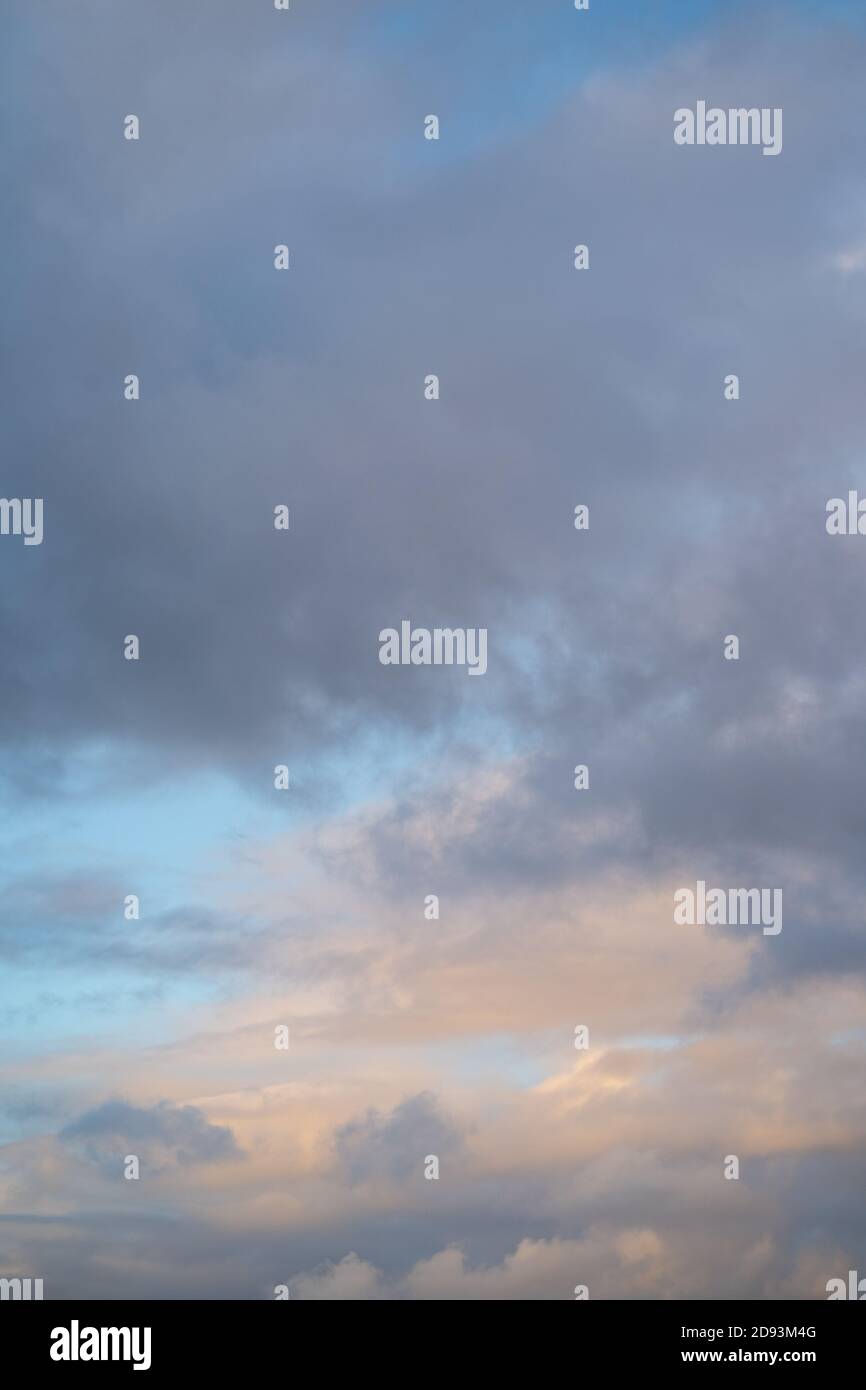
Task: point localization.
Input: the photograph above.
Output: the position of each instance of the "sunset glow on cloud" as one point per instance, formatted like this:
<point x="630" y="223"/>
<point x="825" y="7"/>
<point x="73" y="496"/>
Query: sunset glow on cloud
<point x="472" y="957"/>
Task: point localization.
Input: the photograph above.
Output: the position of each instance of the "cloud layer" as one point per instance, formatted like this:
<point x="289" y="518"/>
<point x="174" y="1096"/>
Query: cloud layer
<point x="410" y="1035"/>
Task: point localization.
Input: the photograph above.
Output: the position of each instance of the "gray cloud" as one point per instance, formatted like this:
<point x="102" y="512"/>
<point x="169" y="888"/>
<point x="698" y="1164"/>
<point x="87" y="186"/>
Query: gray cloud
<point x="459" y="513"/>
<point x="396" y="1145"/>
<point x="706" y="517"/>
<point x="605" y="647"/>
<point x="162" y="1134"/>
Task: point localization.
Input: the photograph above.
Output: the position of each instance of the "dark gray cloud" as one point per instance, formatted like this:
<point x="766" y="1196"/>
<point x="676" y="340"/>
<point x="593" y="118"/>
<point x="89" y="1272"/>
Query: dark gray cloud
<point x="396" y="1145"/>
<point x="706" y="517"/>
<point x="258" y="389"/>
<point x="159" y="1135"/>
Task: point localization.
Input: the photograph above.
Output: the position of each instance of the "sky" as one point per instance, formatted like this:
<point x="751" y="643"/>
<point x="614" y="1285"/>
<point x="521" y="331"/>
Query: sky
<point x="410" y="1036"/>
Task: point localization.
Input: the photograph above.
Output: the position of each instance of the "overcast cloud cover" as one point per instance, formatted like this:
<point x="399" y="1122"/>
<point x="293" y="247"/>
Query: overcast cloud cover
<point x="258" y="908"/>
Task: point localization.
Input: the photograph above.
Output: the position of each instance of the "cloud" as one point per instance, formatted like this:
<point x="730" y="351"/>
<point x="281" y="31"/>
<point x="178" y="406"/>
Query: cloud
<point x="159" y="1135"/>
<point x="251" y="642"/>
<point x="396" y="1145"/>
<point x="350" y="1280"/>
<point x="851" y="260"/>
<point x="411" y="1037"/>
